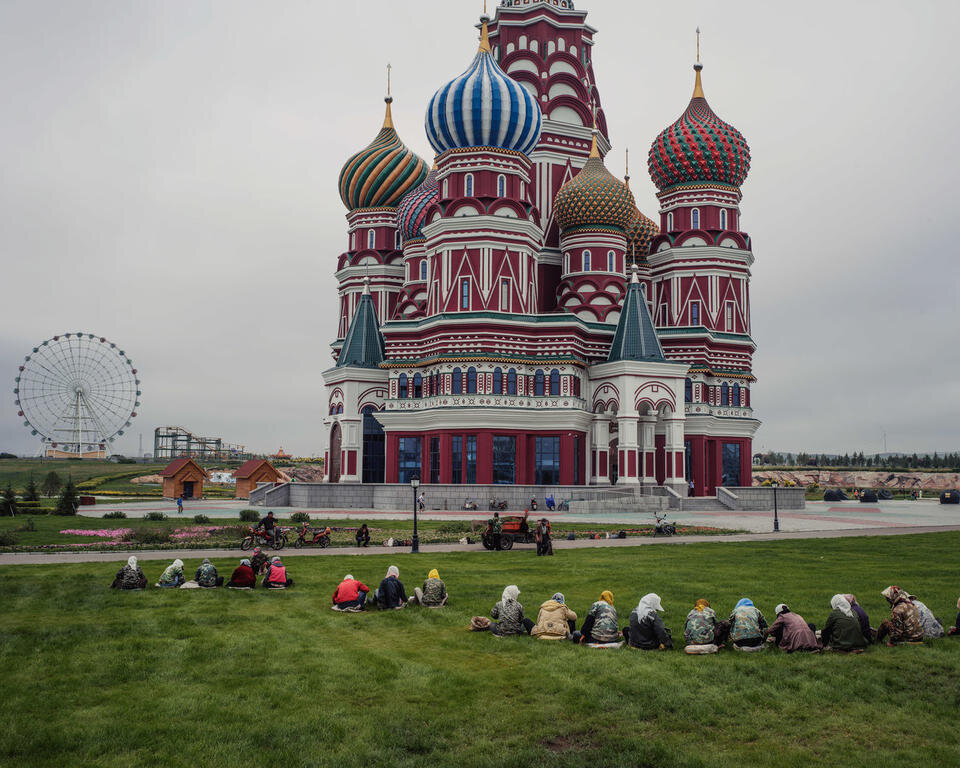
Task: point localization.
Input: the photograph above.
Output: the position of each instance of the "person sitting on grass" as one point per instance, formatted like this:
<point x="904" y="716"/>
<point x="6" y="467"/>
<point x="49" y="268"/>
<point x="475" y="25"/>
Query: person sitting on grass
<point x="842" y="630"/>
<point x="747" y="625"/>
<point x="955" y="629"/>
<point x="391" y="594"/>
<point x="555" y="621"/>
<point x="243" y="576"/>
<point x="932" y="626"/>
<point x="904" y="625"/>
<point x="865" y="629"/>
<point x="600" y="625"/>
<point x="363" y="535"/>
<point x="130" y="576"/>
<point x="172" y="575"/>
<point x="646" y="630"/>
<point x="206" y="575"/>
<point x="276" y="575"/>
<point x="509" y="614"/>
<point x="791" y="633"/>
<point x="258" y="561"/>
<point x="701" y="627"/>
<point x="350" y="594"/>
<point x="434" y="592"/>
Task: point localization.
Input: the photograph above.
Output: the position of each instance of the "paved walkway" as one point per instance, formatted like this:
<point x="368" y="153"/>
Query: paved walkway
<point x="32" y="558"/>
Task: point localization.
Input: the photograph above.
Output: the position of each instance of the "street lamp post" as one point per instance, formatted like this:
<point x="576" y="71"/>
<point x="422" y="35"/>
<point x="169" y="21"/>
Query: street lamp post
<point x="776" y="518"/>
<point x="415" y="483"/>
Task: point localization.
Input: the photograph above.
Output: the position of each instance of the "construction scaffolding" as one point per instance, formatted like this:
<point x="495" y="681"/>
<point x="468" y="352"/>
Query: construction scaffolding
<point x="177" y="442"/>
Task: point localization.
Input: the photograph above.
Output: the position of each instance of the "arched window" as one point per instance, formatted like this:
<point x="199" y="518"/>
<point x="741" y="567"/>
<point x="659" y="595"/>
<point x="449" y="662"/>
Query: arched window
<point x="396" y="238"/>
<point x="417" y="386"/>
<point x="736" y="396"/>
<point x="576" y="386"/>
<point x="695" y="218"/>
<point x="471" y="380"/>
<point x="669" y="222"/>
<point x="446" y="188"/>
<point x="538" y="384"/>
<point x="512" y="381"/>
<point x="457" y="381"/>
<point x="402" y="387"/>
<point x="423" y="269"/>
<point x="724" y="394"/>
<point x="586" y="261"/>
<point x="554" y="382"/>
<point x="371" y="239"/>
<point x="468" y="185"/>
<point x="611" y="261"/>
<point x="497" y="381"/>
<point x="501" y="186"/>
<point x="340" y="408"/>
<point x="562" y="44"/>
<point x="566" y="263"/>
<point x="406" y="272"/>
<point x="723" y="218"/>
<point x="465" y="293"/>
<point x="688" y="391"/>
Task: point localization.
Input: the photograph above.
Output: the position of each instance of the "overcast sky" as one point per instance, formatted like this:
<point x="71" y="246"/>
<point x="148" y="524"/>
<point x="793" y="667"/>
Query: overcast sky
<point x="168" y="179"/>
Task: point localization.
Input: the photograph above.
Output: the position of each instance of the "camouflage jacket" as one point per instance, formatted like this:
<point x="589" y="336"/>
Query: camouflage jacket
<point x="434" y="590"/>
<point x="129" y="578"/>
<point x="206" y="575"/>
<point x="509" y="615"/>
<point x="496" y="525"/>
<point x="906" y="622"/>
<point x="605" y="626"/>
<point x="171" y="575"/>
<point x="746" y="622"/>
<point x="701" y="627"/>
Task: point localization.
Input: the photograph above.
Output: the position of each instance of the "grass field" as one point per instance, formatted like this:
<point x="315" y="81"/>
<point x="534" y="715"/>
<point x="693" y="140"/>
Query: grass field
<point x="224" y="678"/>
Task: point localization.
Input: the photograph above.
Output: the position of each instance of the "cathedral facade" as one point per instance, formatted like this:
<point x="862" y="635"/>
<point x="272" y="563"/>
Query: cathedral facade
<point x="509" y="315"/>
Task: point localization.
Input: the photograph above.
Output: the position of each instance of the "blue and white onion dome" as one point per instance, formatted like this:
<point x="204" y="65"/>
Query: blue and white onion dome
<point x="484" y="107"/>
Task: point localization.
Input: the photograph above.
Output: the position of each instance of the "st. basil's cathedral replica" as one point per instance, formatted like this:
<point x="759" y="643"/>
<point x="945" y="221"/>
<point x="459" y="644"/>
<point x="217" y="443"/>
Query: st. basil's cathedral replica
<point x="510" y="316"/>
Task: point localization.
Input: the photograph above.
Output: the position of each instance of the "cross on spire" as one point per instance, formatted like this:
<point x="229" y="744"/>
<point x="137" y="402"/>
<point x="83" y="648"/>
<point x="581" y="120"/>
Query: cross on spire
<point x="698" y="45"/>
<point x="389" y="67"/>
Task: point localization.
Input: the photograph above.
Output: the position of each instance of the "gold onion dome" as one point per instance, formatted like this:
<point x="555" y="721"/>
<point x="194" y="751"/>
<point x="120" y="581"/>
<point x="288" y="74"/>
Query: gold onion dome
<point x="382" y="173"/>
<point x="594" y="198"/>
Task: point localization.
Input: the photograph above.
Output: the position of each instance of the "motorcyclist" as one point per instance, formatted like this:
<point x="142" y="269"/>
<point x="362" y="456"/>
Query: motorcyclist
<point x="268" y="525"/>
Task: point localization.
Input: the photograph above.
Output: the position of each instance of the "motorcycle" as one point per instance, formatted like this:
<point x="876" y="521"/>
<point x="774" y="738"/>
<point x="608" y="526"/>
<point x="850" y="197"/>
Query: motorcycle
<point x="497" y="504"/>
<point x="664" y="528"/>
<point x="533" y="504"/>
<point x="470" y="505"/>
<point x="258" y="537"/>
<point x="319" y="537"/>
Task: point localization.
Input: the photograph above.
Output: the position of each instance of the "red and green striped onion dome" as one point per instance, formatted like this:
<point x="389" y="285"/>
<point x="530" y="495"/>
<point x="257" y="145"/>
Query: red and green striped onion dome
<point x="412" y="211"/>
<point x="593" y="199"/>
<point x="699" y="147"/>
<point x="640" y="233"/>
<point x="382" y="173"/>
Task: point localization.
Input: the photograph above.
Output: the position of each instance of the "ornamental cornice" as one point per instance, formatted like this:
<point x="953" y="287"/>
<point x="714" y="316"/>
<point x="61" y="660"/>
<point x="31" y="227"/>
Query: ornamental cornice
<point x="455" y="357"/>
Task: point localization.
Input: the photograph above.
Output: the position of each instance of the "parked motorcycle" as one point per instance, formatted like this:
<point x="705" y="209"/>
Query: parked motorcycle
<point x="533" y="503"/>
<point x="497" y="504"/>
<point x="258" y="537"/>
<point x="664" y="528"/>
<point x="307" y="536"/>
<point x="470" y="505"/>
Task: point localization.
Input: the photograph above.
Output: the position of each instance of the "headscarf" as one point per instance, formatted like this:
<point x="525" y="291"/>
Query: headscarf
<point x="649" y="604"/>
<point x="782" y="608"/>
<point x="511" y="592"/>
<point x="245" y="562"/>
<point x="348" y="577"/>
<point x="744" y="602"/>
<point x="558" y="596"/>
<point x="851" y="599"/>
<point x="434" y="574"/>
<point x="276" y="559"/>
<point x="206" y="561"/>
<point x="132" y="561"/>
<point x="178" y="563"/>
<point x="393" y="571"/>
<point x="607" y="596"/>
<point x="894" y="594"/>
<point x="256" y="551"/>
<point x="840" y="603"/>
<point x="701" y="604"/>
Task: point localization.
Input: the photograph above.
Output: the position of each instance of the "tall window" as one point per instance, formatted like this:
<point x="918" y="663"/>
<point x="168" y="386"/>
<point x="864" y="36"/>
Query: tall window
<point x="501" y="186"/>
<point x="611" y="261"/>
<point x="408" y="458"/>
<point x="576" y="386"/>
<point x="504" y="459"/>
<point x="566" y="263"/>
<point x="374" y="447"/>
<point x="446" y="188"/>
<point x="554" y="382"/>
<point x="371" y="239"/>
<point x="586" y="261"/>
<point x="736" y="396"/>
<point x="669" y="222"/>
<point x="468" y="185"/>
<point x="723" y="218"/>
<point x="512" y="381"/>
<point x="471" y="380"/>
<point x="695" y="218"/>
<point x="547" y="461"/>
<point x="457" y="381"/>
<point x="423" y="269"/>
<point x="724" y="394"/>
<point x="456" y="459"/>
<point x="688" y="391"/>
<point x="504" y="295"/>
<point x="471" y="459"/>
<point x="465" y="293"/>
<point x="576" y="459"/>
<point x="497" y="381"/>
<point x="728" y="326"/>
<point x="730" y="465"/>
<point x="538" y="384"/>
<point x="417" y="386"/>
<point x="694" y="313"/>
<point x="434" y="459"/>
<point x="402" y="387"/>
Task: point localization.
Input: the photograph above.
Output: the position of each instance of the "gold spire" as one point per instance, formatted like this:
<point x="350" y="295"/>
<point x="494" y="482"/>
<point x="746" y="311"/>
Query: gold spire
<point x="698" y="86"/>
<point x="698" y="45"/>
<point x="484" y="37"/>
<point x="594" y="151"/>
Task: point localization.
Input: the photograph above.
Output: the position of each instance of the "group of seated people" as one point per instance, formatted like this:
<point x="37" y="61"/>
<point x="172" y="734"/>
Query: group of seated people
<point x="272" y="570"/>
<point x="351" y="594"/>
<point x="847" y="627"/>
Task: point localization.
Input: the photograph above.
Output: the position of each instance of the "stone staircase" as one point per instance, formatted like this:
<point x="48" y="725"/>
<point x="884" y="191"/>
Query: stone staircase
<point x="702" y="504"/>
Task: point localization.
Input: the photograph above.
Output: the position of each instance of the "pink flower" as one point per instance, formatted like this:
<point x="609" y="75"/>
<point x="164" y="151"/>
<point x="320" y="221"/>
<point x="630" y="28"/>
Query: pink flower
<point x="103" y="533"/>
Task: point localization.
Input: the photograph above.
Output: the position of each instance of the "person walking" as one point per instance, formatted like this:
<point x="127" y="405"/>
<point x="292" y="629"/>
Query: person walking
<point x="690" y="488"/>
<point x="420" y="502"/>
<point x="180" y="504"/>
<point x="496" y="531"/>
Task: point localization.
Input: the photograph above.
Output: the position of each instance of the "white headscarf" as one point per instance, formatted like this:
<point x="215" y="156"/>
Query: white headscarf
<point x="132" y="562"/>
<point x="393" y="571"/>
<point x="348" y="577"/>
<point x="781" y="608"/>
<point x="178" y="563"/>
<point x="510" y="593"/>
<point x="840" y="603"/>
<point x="648" y="604"/>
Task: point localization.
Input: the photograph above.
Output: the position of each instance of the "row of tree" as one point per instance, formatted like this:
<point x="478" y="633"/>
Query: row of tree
<point x="67" y="497"/>
<point x="902" y="462"/>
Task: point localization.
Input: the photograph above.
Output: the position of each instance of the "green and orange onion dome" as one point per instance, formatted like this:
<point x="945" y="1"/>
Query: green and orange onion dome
<point x="640" y="233"/>
<point x="382" y="173"/>
<point x="593" y="199"/>
<point x="699" y="148"/>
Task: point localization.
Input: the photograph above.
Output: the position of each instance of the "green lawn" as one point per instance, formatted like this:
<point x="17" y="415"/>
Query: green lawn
<point x="225" y="678"/>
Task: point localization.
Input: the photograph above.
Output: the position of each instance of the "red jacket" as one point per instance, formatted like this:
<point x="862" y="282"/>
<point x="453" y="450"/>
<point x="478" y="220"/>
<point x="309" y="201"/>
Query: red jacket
<point x="243" y="577"/>
<point x="349" y="590"/>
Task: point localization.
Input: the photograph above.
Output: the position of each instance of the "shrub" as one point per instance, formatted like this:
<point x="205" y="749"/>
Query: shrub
<point x="8" y="503"/>
<point x="32" y="492"/>
<point x="201" y="519"/>
<point x="455" y="527"/>
<point x="7" y="539"/>
<point x="117" y="514"/>
<point x="250" y="516"/>
<point x="51" y="484"/>
<point x="155" y="516"/>
<point x="68" y="501"/>
<point x="300" y="517"/>
<point x="150" y="536"/>
<point x="27" y="526"/>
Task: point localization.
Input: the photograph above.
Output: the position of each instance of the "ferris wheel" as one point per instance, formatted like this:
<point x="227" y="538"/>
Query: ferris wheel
<point x="77" y="392"/>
